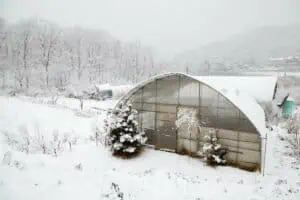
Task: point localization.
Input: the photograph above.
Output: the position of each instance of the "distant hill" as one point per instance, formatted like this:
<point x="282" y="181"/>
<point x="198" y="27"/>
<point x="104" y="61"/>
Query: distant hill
<point x="251" y="48"/>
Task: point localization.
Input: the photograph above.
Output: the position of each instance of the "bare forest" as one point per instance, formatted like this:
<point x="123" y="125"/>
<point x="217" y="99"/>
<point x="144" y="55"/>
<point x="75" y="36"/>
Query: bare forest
<point x="37" y="54"/>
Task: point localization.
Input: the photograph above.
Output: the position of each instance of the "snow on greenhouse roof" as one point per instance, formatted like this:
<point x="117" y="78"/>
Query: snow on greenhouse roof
<point x="261" y="88"/>
<point x="246" y="104"/>
<point x="251" y="109"/>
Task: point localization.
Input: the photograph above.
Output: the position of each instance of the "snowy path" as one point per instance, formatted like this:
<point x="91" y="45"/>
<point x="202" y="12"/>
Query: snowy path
<point x="152" y="175"/>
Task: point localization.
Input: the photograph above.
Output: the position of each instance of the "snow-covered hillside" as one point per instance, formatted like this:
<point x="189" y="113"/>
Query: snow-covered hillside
<point x="250" y="48"/>
<point x="87" y="171"/>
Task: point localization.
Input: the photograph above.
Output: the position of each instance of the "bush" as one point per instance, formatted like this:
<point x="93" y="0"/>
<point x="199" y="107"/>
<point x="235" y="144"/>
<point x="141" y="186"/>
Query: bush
<point x="114" y="193"/>
<point x="123" y="135"/>
<point x="213" y="153"/>
<point x="98" y="135"/>
<point x="39" y="142"/>
<point x="293" y="127"/>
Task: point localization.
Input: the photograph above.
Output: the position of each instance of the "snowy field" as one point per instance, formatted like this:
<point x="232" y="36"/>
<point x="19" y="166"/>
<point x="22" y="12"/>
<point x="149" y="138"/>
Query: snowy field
<point x="87" y="171"/>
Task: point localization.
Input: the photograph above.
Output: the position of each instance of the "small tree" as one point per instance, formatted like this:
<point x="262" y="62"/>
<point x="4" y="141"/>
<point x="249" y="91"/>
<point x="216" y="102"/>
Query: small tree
<point x="123" y="136"/>
<point x="187" y="117"/>
<point x="213" y="153"/>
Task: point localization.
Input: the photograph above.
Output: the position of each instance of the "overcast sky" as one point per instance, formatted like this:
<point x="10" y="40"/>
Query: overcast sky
<point x="170" y="26"/>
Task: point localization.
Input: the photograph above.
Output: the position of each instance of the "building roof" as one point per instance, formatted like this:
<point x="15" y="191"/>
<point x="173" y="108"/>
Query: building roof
<point x="245" y="103"/>
<point x="261" y="88"/>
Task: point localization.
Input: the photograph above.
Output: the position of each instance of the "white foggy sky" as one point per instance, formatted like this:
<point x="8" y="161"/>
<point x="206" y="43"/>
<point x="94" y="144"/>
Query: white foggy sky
<point x="169" y="26"/>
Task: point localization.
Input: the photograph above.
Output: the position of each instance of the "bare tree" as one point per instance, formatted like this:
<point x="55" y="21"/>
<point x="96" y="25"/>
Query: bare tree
<point x="24" y="54"/>
<point x="75" y="50"/>
<point x="48" y="42"/>
<point x="3" y="51"/>
<point x="32" y="47"/>
<point x="2" y="32"/>
<point x="78" y="58"/>
<point x="95" y="62"/>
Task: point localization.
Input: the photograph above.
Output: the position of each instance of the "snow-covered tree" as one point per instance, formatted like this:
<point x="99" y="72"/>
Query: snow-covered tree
<point x="2" y="32"/>
<point x="212" y="151"/>
<point x="188" y="116"/>
<point x="25" y="53"/>
<point x="48" y="43"/>
<point x="76" y="52"/>
<point x="123" y="134"/>
<point x="35" y="53"/>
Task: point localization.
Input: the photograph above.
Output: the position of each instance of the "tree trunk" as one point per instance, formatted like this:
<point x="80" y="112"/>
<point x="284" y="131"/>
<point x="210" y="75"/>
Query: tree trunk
<point x="27" y="80"/>
<point x="47" y="76"/>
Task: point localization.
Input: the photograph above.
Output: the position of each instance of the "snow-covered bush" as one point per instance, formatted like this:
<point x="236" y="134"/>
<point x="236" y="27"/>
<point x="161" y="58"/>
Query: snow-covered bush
<point x="98" y="92"/>
<point x="39" y="141"/>
<point x="7" y="160"/>
<point x="292" y="125"/>
<point x="53" y="100"/>
<point x="122" y="133"/>
<point x="98" y="135"/>
<point x="213" y="153"/>
<point x="114" y="193"/>
<point x="188" y="116"/>
<point x="71" y="92"/>
<point x="293" y="128"/>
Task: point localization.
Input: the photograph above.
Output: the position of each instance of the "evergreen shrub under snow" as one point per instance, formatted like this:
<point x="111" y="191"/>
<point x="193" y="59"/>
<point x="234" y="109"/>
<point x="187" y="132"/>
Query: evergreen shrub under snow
<point x="212" y="151"/>
<point x="122" y="133"/>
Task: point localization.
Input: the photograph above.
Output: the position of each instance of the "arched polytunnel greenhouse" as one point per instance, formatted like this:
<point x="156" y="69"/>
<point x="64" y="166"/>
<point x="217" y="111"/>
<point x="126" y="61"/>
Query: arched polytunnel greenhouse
<point x="236" y="119"/>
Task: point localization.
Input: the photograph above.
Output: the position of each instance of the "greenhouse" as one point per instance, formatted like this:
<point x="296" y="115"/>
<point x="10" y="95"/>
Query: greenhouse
<point x="236" y="119"/>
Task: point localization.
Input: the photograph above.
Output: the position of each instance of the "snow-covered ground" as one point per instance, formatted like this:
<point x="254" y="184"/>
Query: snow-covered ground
<point x="87" y="171"/>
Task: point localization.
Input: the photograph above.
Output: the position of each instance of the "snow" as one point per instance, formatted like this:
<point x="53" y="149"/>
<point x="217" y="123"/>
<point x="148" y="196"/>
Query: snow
<point x="31" y="115"/>
<point x="88" y="171"/>
<point x="217" y="159"/>
<point x="130" y="149"/>
<point x="261" y="88"/>
<point x="290" y="99"/>
<point x="118" y="91"/>
<point x="71" y="103"/>
<point x="242" y="101"/>
<point x="207" y="147"/>
<point x="125" y="137"/>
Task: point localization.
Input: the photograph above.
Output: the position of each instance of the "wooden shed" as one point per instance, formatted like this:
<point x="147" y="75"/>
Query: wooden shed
<point x="237" y="119"/>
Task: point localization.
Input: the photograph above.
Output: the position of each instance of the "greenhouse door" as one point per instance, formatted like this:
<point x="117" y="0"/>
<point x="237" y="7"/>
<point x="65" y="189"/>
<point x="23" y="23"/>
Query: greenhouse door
<point x="188" y="131"/>
<point x="166" y="132"/>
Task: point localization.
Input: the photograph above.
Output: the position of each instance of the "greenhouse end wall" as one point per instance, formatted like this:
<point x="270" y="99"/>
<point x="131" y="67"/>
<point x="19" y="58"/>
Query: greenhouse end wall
<point x="158" y="103"/>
